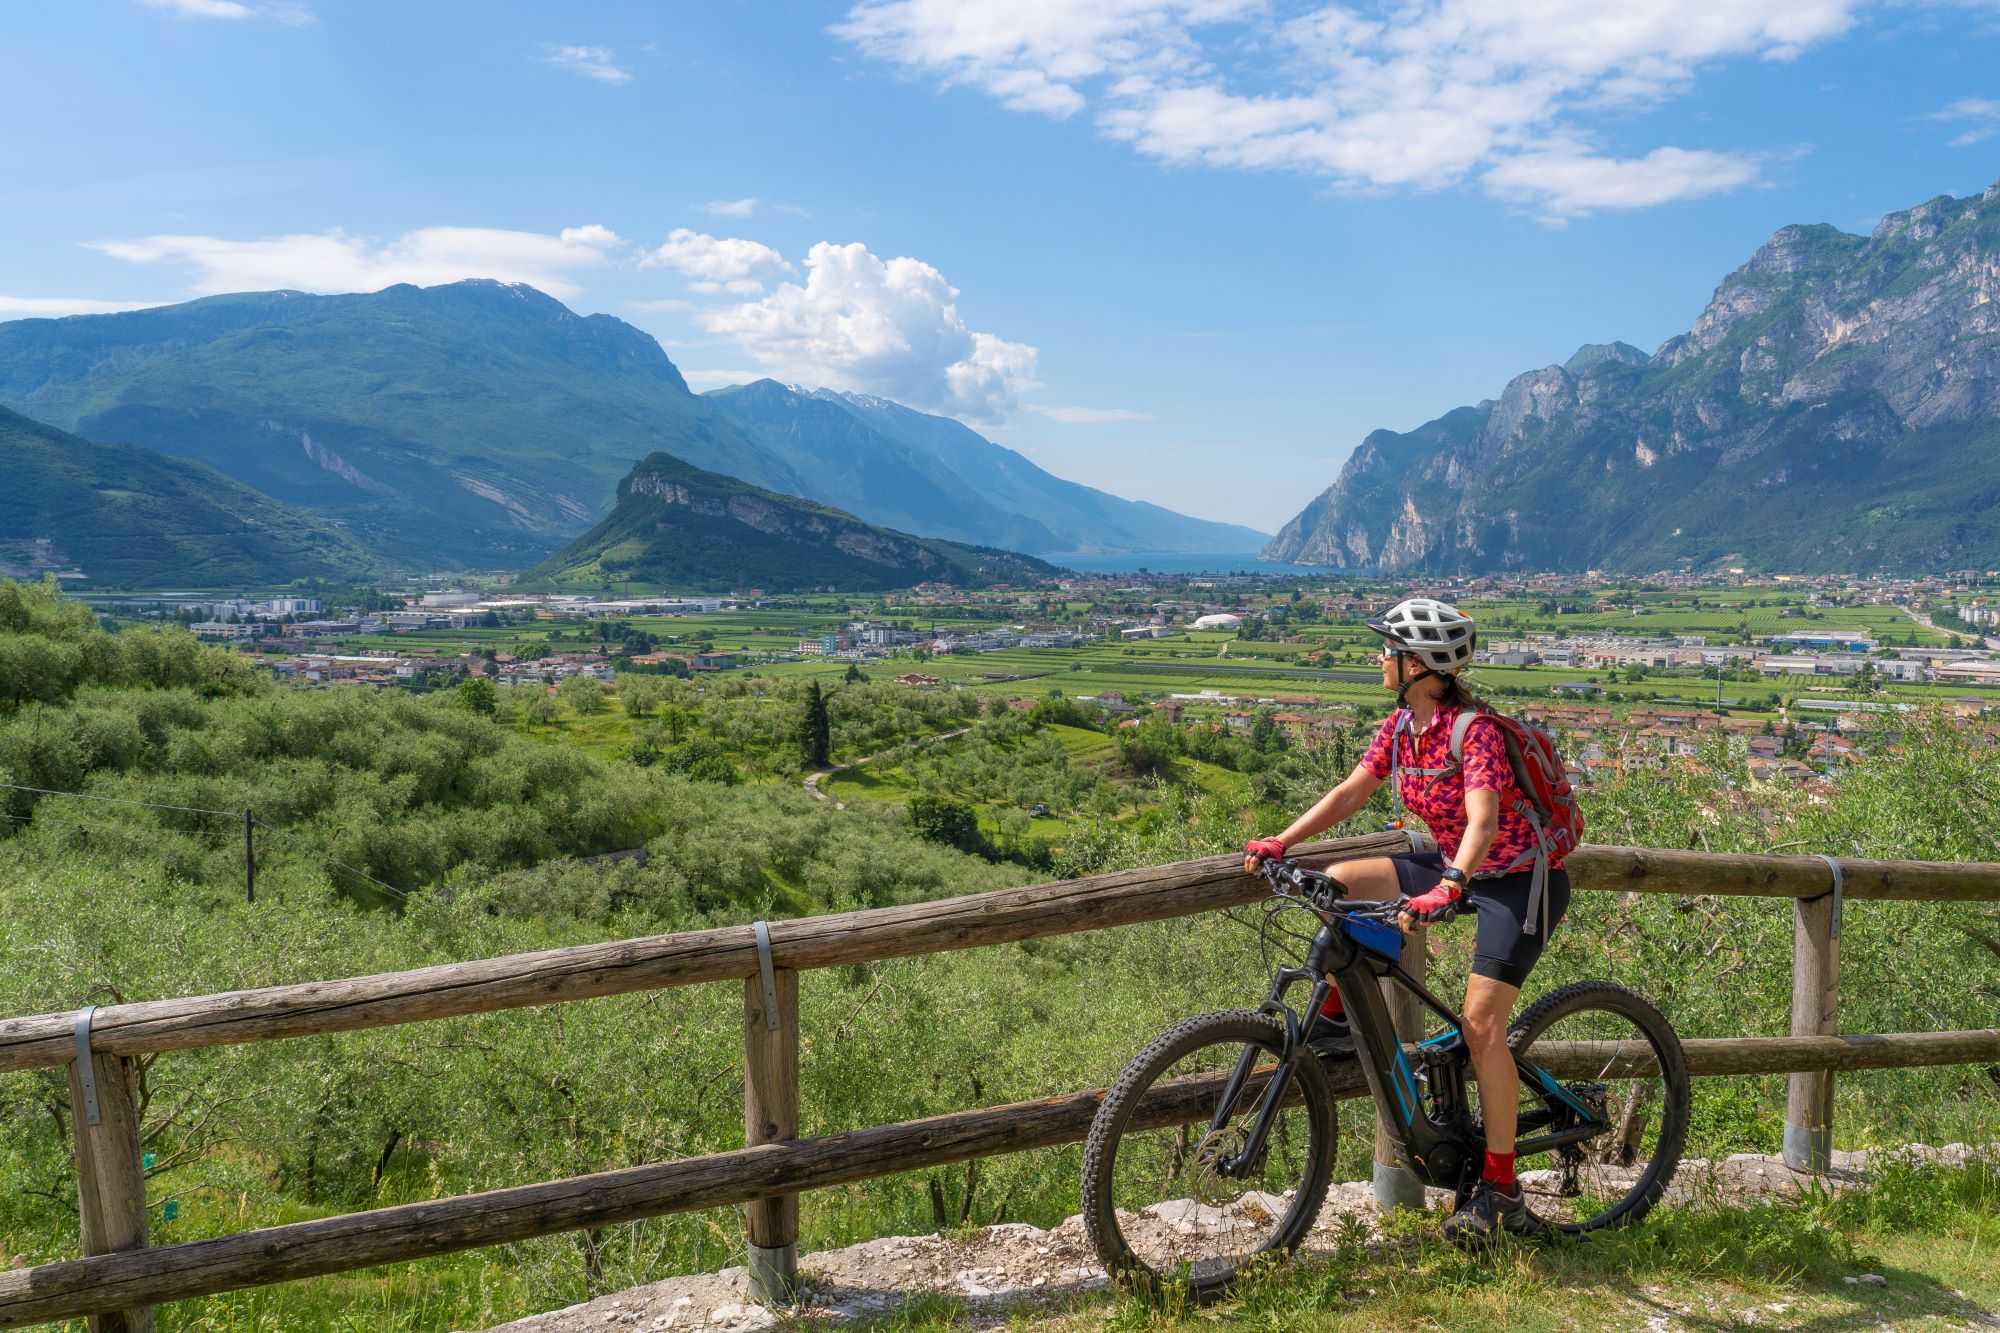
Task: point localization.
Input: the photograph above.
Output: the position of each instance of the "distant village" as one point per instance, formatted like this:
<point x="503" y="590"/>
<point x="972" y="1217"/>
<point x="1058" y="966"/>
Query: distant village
<point x="1811" y="740"/>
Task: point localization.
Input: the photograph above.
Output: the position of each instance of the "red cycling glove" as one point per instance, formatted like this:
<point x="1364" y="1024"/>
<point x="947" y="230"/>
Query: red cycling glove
<point x="1265" y="849"/>
<point x="1440" y="904"/>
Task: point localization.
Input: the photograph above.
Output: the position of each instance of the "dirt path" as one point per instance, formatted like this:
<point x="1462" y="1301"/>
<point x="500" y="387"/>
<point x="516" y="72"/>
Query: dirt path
<point x="1006" y="1269"/>
<point x="813" y="779"/>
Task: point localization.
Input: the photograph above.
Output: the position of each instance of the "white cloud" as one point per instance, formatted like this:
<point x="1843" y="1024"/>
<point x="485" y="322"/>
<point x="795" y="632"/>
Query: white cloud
<point x="731" y="208"/>
<point x="337" y="262"/>
<point x="55" y="307"/>
<point x="888" y="327"/>
<point x="1982" y="113"/>
<point x="284" y="11"/>
<point x="1569" y="184"/>
<point x="593" y="62"/>
<point x="1404" y="94"/>
<point x="717" y="264"/>
<point x="1088" y="415"/>
<point x="201" y="9"/>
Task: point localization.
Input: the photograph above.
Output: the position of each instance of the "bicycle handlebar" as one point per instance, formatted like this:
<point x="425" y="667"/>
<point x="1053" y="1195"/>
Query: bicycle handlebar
<point x="1324" y="893"/>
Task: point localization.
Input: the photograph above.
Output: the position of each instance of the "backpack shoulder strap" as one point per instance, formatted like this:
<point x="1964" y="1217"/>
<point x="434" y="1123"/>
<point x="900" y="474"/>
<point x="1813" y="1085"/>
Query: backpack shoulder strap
<point x="1459" y="728"/>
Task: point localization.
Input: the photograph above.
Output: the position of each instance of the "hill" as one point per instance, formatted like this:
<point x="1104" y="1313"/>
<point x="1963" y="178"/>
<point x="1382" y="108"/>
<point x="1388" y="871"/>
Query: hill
<point x="485" y="423"/>
<point x="130" y="518"/>
<point x="678" y="526"/>
<point x="1835" y="408"/>
<point x="476" y="422"/>
<point x="932" y="474"/>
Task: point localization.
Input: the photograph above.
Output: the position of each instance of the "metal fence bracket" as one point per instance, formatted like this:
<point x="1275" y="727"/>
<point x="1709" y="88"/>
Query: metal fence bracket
<point x="1839" y="883"/>
<point x="86" y="1065"/>
<point x="767" y="974"/>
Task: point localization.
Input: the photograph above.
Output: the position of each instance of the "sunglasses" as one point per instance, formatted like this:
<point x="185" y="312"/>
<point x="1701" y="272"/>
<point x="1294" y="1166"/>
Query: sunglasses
<point x="1390" y="654"/>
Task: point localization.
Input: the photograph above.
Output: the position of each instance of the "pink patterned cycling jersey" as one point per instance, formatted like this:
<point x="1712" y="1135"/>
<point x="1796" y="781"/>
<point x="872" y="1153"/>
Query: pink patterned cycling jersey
<point x="1440" y="800"/>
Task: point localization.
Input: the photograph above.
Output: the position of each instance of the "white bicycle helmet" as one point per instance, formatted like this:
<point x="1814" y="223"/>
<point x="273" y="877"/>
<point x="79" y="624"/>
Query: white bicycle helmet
<point x="1439" y="636"/>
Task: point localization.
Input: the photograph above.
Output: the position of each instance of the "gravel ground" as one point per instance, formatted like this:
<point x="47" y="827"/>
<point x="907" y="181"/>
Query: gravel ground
<point x="1000" y="1269"/>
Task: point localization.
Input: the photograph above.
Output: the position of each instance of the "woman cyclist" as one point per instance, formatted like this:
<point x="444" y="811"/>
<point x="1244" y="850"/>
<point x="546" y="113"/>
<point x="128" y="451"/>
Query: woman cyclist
<point x="1469" y="809"/>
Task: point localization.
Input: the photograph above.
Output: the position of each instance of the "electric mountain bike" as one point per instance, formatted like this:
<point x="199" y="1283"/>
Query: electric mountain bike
<point x="1215" y="1147"/>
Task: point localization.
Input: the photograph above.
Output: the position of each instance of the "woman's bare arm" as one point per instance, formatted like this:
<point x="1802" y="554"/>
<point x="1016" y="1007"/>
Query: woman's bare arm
<point x="1331" y="809"/>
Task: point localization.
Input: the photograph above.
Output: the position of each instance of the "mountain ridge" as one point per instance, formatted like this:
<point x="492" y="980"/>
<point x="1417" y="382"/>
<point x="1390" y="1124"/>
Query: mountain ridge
<point x="682" y="527"/>
<point x="130" y="518"/>
<point x="1045" y="514"/>
<point x="1836" y="407"/>
<point x="485" y="423"/>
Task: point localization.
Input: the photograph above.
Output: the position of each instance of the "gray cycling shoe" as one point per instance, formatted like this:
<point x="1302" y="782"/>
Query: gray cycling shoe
<point x="1332" y="1038"/>
<point x="1489" y="1212"/>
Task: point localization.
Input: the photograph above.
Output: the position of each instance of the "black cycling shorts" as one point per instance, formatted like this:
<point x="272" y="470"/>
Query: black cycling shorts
<point x="1501" y="949"/>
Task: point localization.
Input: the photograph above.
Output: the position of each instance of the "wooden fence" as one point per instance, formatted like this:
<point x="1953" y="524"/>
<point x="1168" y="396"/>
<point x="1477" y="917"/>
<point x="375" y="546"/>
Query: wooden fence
<point x="120" y="1279"/>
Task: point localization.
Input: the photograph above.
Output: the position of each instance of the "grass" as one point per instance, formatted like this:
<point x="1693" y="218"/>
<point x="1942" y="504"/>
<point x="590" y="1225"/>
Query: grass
<point x="1929" y="1233"/>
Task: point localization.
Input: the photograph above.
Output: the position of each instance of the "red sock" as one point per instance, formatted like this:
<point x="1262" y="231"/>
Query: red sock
<point x="1500" y="1169"/>
<point x="1334" y="1007"/>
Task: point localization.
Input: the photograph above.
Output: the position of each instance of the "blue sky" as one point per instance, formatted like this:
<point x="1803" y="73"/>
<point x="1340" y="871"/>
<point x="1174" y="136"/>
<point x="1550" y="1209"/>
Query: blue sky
<point x="1191" y="251"/>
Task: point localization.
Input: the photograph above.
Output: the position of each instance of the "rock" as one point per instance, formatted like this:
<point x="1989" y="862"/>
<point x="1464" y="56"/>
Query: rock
<point x="1867" y="1280"/>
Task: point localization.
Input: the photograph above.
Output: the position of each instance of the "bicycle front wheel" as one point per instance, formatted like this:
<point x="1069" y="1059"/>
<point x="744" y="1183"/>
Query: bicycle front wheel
<point x="1170" y="1190"/>
<point x="1607" y="1051"/>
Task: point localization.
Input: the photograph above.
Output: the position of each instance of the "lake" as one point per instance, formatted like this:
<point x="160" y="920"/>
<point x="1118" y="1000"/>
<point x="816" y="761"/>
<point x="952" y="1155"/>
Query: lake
<point x="1176" y="562"/>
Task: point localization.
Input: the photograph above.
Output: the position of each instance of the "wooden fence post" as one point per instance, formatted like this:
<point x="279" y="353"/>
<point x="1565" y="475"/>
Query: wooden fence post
<point x="1815" y="998"/>
<point x="110" y="1176"/>
<point x="1395" y="1187"/>
<point x="771" y="1115"/>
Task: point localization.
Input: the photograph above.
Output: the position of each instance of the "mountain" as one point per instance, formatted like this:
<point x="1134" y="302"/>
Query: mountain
<point x="1835" y="408"/>
<point x="130" y="518"/>
<point x="678" y="526"/>
<point x="932" y="474"/>
<point x="476" y="422"/>
<point x="485" y="423"/>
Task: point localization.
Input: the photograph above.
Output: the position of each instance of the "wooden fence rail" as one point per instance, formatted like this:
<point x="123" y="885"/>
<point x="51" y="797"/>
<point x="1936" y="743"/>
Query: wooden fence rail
<point x="119" y="1279"/>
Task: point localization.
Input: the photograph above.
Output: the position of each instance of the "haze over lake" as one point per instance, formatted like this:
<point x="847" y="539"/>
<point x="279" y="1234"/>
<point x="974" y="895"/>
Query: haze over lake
<point x="1226" y="562"/>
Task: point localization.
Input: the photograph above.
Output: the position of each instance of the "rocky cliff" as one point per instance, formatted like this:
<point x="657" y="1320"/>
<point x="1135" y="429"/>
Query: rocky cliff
<point x="1836" y="407"/>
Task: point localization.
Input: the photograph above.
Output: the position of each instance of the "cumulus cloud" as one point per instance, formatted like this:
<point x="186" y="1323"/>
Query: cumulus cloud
<point x="55" y="307"/>
<point x="335" y="261"/>
<point x="1412" y="94"/>
<point x="889" y="327"/>
<point x="730" y="208"/>
<point x="1981" y="116"/>
<point x="593" y="62"/>
<point x="1088" y="415"/>
<point x="717" y="264"/>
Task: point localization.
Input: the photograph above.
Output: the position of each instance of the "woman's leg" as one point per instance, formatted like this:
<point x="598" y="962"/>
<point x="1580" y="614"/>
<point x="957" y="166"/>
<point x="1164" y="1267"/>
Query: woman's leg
<point x="1488" y="1006"/>
<point x="1374" y="879"/>
<point x="1371" y="877"/>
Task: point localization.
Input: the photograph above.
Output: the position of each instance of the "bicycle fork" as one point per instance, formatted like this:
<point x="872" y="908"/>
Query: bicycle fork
<point x="1240" y="1165"/>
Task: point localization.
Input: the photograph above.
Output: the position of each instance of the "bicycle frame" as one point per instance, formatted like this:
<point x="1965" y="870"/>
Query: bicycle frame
<point x="1427" y="1118"/>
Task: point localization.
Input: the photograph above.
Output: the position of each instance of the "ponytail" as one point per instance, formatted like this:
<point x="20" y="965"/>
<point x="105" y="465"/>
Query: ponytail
<point x="1455" y="694"/>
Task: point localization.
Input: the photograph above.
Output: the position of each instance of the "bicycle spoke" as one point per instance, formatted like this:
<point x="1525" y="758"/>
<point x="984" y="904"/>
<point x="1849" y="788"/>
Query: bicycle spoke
<point x="1174" y="1184"/>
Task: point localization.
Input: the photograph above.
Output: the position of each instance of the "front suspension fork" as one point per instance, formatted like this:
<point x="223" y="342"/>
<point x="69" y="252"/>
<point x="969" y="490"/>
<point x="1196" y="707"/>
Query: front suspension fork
<point x="1240" y="1165"/>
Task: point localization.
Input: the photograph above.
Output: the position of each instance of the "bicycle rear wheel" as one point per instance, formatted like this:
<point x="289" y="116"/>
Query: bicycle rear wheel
<point x="1604" y="1049"/>
<point x="1159" y="1198"/>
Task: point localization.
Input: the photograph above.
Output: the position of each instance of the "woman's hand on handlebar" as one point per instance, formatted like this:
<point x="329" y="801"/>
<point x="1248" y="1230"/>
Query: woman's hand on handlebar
<point x="1259" y="850"/>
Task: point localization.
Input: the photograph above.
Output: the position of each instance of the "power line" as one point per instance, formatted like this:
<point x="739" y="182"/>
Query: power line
<point x="120" y="800"/>
<point x="401" y="896"/>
